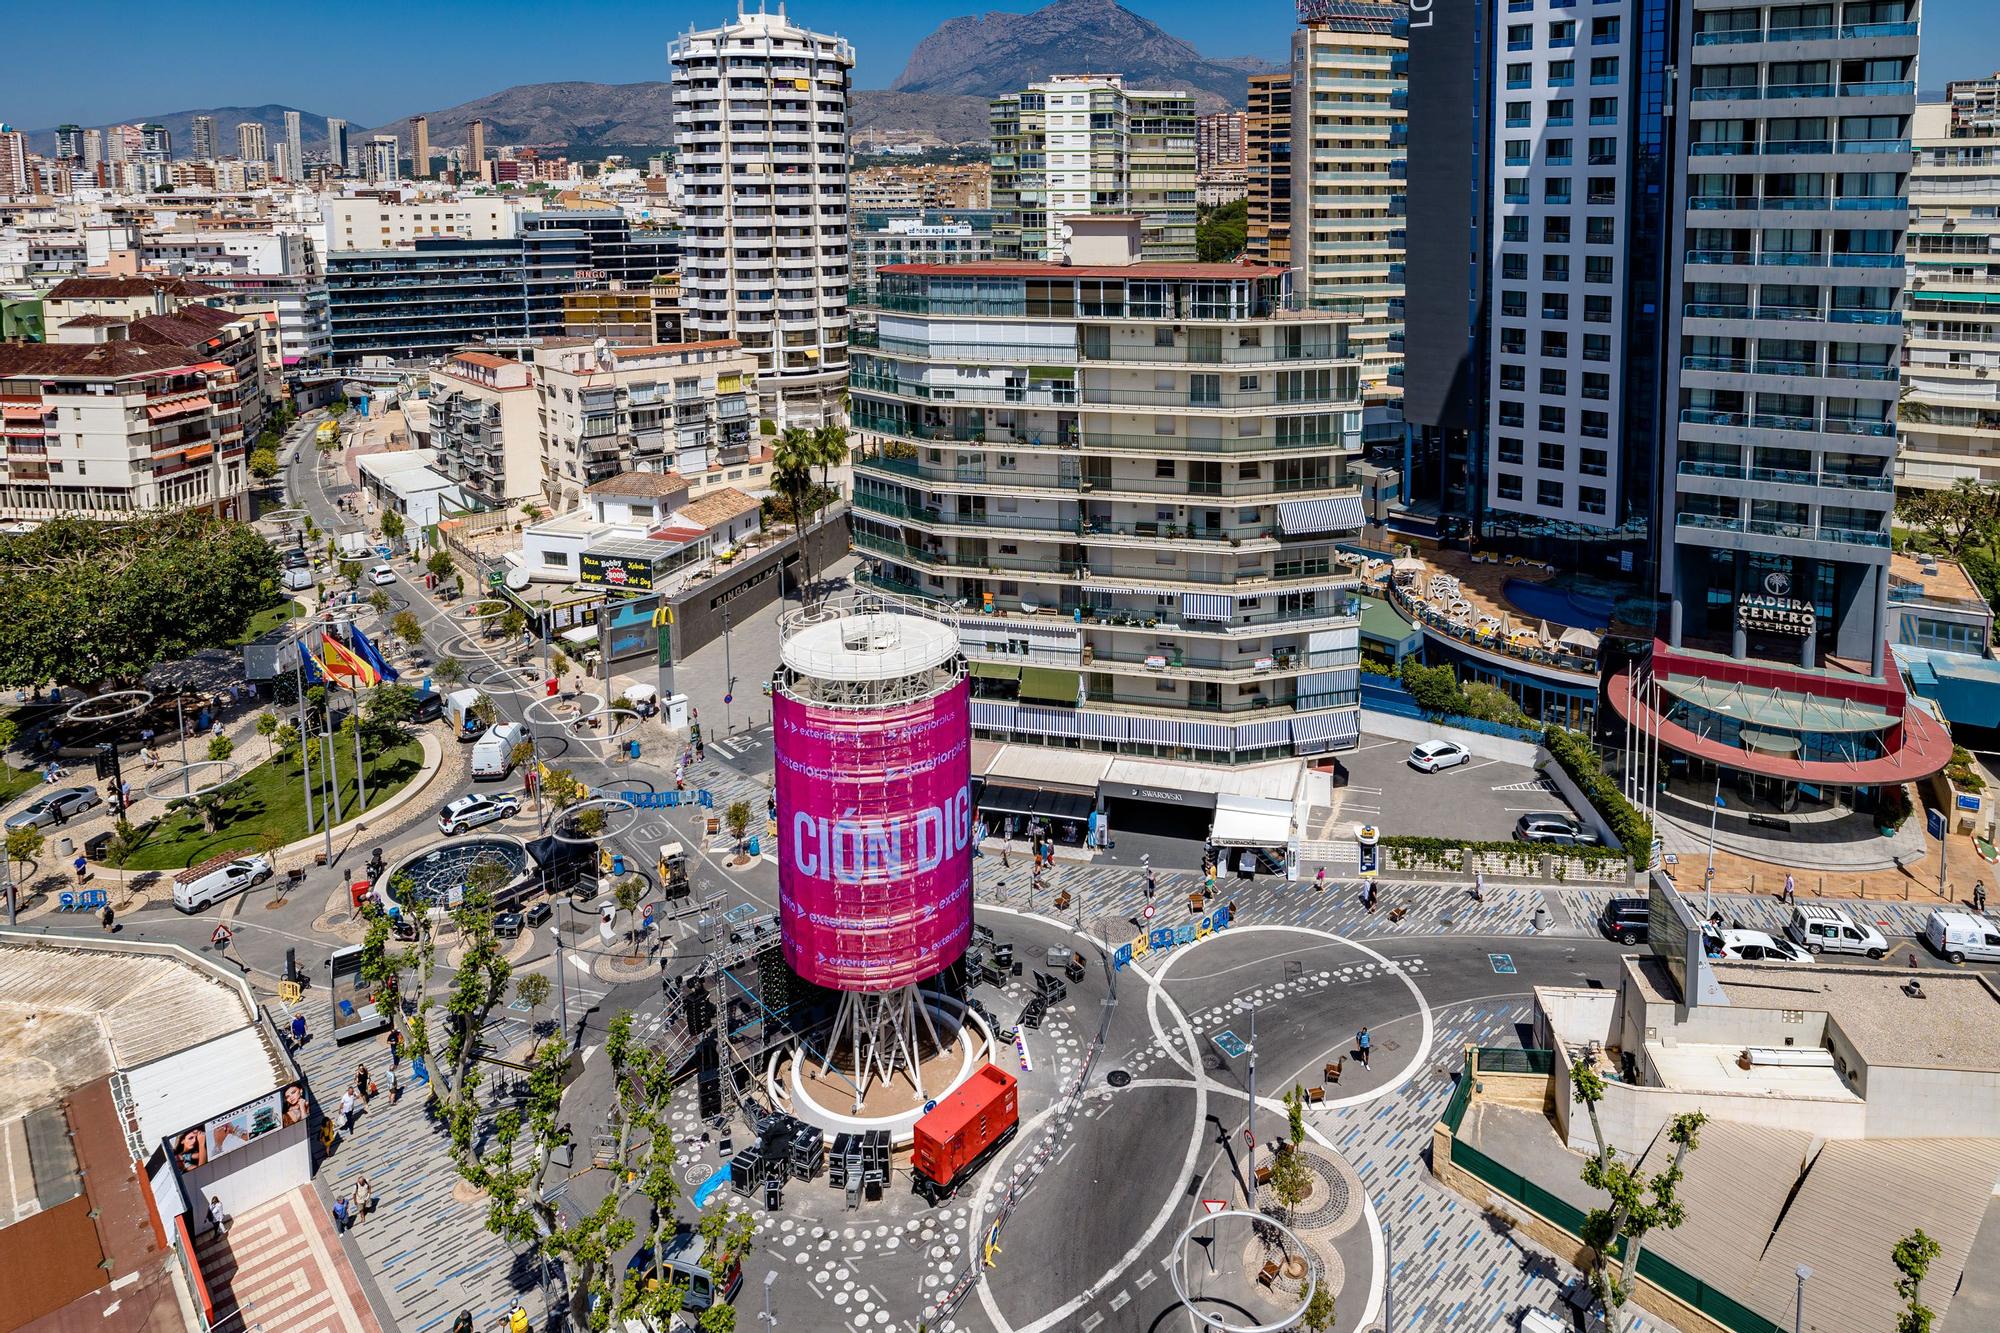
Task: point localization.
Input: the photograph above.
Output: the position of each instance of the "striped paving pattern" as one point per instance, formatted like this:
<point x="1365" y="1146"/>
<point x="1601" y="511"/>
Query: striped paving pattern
<point x="280" y="1269"/>
<point x="1765" y="912"/>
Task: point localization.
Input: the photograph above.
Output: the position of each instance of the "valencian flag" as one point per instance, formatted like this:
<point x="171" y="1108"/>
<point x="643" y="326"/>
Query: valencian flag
<point x="313" y="674"/>
<point x="370" y="654"/>
<point x="342" y="665"/>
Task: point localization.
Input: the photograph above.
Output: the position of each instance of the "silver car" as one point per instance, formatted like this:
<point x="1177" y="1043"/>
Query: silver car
<point x="56" y="808"/>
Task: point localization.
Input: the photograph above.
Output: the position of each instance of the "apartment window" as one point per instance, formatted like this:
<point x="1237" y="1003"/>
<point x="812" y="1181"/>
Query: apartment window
<point x="1163" y="336"/>
<point x="1555" y="231"/>
<point x="1597" y="268"/>
<point x="1510" y="485"/>
<point x="1555" y="344"/>
<point x="1597" y="347"/>
<point x="1163" y="469"/>
<point x="1513" y="342"/>
<point x="1514" y="268"/>
<point x="1556" y="191"/>
<point x="1514" y="190"/>
<point x="1513" y="305"/>
<point x="1603" y="151"/>
<point x="1590" y="499"/>
<point x="1597" y="309"/>
<point x="1604" y="69"/>
<point x="1520" y="37"/>
<point x="1601" y="190"/>
<point x="1562" y="33"/>
<point x="1549" y="494"/>
<point x="1599" y="231"/>
<point x="1517" y="152"/>
<point x="1596" y="426"/>
<point x="1513" y="378"/>
<point x="1604" y="111"/>
<point x="1562" y="73"/>
<point x="1555" y="382"/>
<point x="1520" y="76"/>
<point x="1562" y="111"/>
<point x="1552" y="420"/>
<point x="1559" y="153"/>
<point x="1511" y="414"/>
<point x="1593" y="462"/>
<point x="1549" y="457"/>
<point x="1510" y="449"/>
<point x="1596" y="384"/>
<point x="1604" y="32"/>
<point x="1514" y="227"/>
<point x="1555" y="305"/>
<point x="1555" y="268"/>
<point x="1517" y="116"/>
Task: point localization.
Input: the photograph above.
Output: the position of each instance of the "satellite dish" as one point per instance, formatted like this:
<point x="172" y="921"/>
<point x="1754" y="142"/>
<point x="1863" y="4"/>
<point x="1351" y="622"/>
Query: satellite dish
<point x="517" y="579"/>
<point x="602" y="347"/>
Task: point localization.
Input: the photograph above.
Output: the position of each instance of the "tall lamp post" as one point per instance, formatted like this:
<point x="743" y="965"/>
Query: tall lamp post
<point x="1799" y="1307"/>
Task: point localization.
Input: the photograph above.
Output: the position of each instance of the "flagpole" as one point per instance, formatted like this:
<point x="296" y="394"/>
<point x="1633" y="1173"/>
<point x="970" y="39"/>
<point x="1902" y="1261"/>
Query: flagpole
<point x="305" y="769"/>
<point x="360" y="775"/>
<point x="332" y="754"/>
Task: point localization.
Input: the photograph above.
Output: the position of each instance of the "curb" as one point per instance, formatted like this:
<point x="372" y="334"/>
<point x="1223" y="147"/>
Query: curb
<point x="433" y="764"/>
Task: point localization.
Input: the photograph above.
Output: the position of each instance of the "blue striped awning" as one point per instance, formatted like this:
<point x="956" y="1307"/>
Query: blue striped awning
<point x="1257" y="735"/>
<point x="1156" y="731"/>
<point x="1206" y="735"/>
<point x="1207" y="606"/>
<point x="1103" y="726"/>
<point x="1314" y="733"/>
<point x="996" y="716"/>
<point x="1340" y="514"/>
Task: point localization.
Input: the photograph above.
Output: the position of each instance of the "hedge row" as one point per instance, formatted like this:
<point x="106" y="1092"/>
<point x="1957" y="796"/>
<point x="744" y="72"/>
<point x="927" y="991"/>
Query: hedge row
<point x="1573" y="751"/>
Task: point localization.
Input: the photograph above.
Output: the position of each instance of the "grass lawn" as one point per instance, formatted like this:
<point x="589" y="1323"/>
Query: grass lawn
<point x="269" y="619"/>
<point x="269" y="796"/>
<point x="14" y="781"/>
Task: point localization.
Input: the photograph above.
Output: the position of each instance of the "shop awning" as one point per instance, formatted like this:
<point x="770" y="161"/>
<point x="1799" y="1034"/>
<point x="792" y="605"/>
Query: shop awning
<point x="1006" y="799"/>
<point x="1251" y="821"/>
<point x="996" y="671"/>
<point x="1342" y="513"/>
<point x="1315" y="733"/>
<point x="1050" y="685"/>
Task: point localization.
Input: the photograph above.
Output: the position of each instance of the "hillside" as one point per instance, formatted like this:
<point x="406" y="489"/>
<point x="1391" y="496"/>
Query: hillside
<point x="312" y="127"/>
<point x="578" y="114"/>
<point x="999" y="52"/>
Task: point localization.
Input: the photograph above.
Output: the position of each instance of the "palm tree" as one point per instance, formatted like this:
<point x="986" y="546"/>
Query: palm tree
<point x="791" y="473"/>
<point x="829" y="451"/>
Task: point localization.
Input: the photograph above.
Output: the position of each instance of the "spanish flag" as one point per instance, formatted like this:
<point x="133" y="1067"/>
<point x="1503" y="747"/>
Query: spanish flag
<point x="345" y="666"/>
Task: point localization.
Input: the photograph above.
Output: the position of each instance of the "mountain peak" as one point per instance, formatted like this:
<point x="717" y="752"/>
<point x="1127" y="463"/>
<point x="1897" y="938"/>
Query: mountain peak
<point x="999" y="52"/>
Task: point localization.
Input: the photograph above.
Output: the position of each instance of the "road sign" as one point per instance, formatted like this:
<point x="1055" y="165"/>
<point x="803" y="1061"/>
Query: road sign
<point x="1229" y="1044"/>
<point x="1214" y="1206"/>
<point x="729" y="698"/>
<point x="1934" y="823"/>
<point x="1503" y="963"/>
<point x="1148" y="913"/>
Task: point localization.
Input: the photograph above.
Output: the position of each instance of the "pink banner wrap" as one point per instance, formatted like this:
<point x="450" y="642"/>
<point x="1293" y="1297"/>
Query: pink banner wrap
<point x="874" y="839"/>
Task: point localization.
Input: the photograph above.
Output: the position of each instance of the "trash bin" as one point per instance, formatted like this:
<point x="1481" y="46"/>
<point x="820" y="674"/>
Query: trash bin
<point x="66" y="847"/>
<point x="752" y="848"/>
<point x="632" y="749"/>
<point x="617" y="864"/>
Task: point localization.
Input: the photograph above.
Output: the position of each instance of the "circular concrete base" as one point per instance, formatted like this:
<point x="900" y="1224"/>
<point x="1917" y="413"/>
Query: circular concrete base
<point x="793" y="1080"/>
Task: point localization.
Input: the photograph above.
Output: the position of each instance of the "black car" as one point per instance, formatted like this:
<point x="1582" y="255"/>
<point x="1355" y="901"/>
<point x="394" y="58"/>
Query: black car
<point x="1627" y="920"/>
<point x="430" y="706"/>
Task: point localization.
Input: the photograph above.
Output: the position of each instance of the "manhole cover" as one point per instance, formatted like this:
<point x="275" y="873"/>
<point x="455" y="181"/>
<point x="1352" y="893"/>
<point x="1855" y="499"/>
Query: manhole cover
<point x="1118" y="1078"/>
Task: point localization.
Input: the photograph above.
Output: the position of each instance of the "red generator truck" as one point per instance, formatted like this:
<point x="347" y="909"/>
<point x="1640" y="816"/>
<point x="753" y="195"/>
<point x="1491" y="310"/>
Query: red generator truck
<point x="958" y="1135"/>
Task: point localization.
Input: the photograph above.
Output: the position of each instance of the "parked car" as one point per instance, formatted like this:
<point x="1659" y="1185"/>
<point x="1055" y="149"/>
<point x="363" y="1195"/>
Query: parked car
<point x="429" y="706"/>
<point x="1627" y="920"/>
<point x="1957" y="936"/>
<point x="382" y="574"/>
<point x="1431" y="756"/>
<point x="56" y="807"/>
<point x="471" y="811"/>
<point x="1821" y="928"/>
<point x="1752" y="946"/>
<point x="1554" y="827"/>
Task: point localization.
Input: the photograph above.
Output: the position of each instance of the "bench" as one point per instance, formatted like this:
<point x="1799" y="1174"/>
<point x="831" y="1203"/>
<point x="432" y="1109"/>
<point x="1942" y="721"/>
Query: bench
<point x="1771" y="822"/>
<point x="1268" y="1274"/>
<point x="1314" y="1096"/>
<point x="1263" y="1175"/>
<point x="1194" y="904"/>
<point x="1331" y="1072"/>
<point x="1062" y="901"/>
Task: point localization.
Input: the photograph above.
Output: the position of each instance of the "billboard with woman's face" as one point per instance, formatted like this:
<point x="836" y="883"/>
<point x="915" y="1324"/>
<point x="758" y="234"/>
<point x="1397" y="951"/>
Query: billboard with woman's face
<point x="198" y="1145"/>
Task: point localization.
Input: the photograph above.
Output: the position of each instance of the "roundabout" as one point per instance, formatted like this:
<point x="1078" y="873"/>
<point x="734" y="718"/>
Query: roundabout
<point x="439" y="876"/>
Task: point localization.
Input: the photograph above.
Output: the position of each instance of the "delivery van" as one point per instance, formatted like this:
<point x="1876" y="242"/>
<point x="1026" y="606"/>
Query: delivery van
<point x="458" y="706"/>
<point x="1821" y="928"/>
<point x="493" y="756"/>
<point x="1957" y="936"/>
<point x="218" y="878"/>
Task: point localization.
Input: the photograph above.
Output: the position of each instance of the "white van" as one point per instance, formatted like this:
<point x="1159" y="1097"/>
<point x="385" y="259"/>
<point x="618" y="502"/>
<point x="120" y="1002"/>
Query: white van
<point x="214" y="880"/>
<point x="1958" y="936"/>
<point x="492" y="757"/>
<point x="1820" y="928"/>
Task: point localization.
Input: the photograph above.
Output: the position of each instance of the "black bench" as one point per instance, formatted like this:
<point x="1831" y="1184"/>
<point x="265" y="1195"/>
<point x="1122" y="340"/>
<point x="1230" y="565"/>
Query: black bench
<point x="1771" y="822"/>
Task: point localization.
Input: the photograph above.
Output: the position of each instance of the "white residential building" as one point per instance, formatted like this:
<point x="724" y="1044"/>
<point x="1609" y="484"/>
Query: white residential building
<point x="366" y="222"/>
<point x="760" y="122"/>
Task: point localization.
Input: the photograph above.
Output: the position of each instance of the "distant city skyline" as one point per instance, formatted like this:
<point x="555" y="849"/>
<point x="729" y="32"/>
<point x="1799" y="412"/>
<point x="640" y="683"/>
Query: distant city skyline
<point x="160" y="64"/>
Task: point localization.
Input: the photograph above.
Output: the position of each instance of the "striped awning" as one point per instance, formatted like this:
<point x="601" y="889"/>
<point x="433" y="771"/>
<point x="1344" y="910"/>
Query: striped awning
<point x="1103" y="726"/>
<point x="1342" y="513"/>
<point x="1206" y="735"/>
<point x="1208" y="606"/>
<point x="1130" y="589"/>
<point x="1045" y="721"/>
<point x="1257" y="735"/>
<point x="1314" y="733"/>
<point x="1155" y="731"/>
<point x="996" y="716"/>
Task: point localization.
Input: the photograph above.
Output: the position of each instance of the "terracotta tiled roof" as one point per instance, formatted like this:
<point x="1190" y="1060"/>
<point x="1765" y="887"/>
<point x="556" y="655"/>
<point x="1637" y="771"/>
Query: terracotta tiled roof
<point x="641" y="485"/>
<point x="110" y="288"/>
<point x="715" y="508"/>
<point x="110" y="360"/>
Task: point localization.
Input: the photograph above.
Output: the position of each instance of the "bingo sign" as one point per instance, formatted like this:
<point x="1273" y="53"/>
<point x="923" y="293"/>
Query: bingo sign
<point x="874" y="838"/>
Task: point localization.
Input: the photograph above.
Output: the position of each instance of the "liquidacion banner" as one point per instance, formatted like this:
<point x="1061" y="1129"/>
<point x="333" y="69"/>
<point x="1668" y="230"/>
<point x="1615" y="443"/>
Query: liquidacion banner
<point x="875" y="839"/>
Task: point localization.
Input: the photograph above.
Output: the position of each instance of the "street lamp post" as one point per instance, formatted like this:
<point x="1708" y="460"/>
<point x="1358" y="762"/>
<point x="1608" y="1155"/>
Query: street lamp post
<point x="728" y="679"/>
<point x="770" y="1320"/>
<point x="1388" y="1277"/>
<point x="1708" y="878"/>
<point x="1799" y="1308"/>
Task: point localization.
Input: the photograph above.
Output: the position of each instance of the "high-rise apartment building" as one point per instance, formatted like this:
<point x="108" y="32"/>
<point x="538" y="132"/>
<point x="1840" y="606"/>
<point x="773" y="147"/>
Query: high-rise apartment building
<point x="883" y="237"/>
<point x="384" y="159"/>
<point x="1349" y="94"/>
<point x="336" y="142"/>
<point x="1950" y="426"/>
<point x="444" y="293"/>
<point x="156" y="144"/>
<point x="122" y="143"/>
<point x="250" y="142"/>
<point x="1085" y="145"/>
<point x="420" y="151"/>
<point x="201" y="134"/>
<point x="1218" y="141"/>
<point x="69" y="143"/>
<point x="1124" y="480"/>
<point x="1267" y="130"/>
<point x="15" y="174"/>
<point x="475" y="149"/>
<point x="295" y="155"/>
<point x="93" y="149"/>
<point x="760" y="125"/>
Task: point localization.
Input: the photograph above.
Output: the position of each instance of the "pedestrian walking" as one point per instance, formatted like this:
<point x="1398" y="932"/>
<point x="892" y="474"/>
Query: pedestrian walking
<point x="1005" y="864"/>
<point x="1363" y="1044"/>
<point x="298" y="1029"/>
<point x="350" y="1107"/>
<point x="462" y="1324"/>
<point x="1979" y="895"/>
<point x="108" y="919"/>
<point x="1791" y="895"/>
<point x="395" y="1085"/>
<point x="218" y="1216"/>
<point x="364" y="1198"/>
<point x="1319" y="880"/>
<point x="395" y="1050"/>
<point x="343" y="1215"/>
<point x="362" y="1083"/>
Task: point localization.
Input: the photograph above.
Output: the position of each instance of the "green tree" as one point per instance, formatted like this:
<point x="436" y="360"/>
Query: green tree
<point x="1637" y="1204"/>
<point x="220" y="748"/>
<point x="1219" y="232"/>
<point x="351" y="571"/>
<point x="1319" y="1312"/>
<point x="1957" y="519"/>
<point x="439" y="565"/>
<point x="513" y="623"/>
<point x="96" y="603"/>
<point x="532" y="989"/>
<point x="263" y="463"/>
<point x="268" y="726"/>
<point x="393" y="526"/>
<point x="1913" y="1256"/>
<point x="485" y="711"/>
<point x="628" y="893"/>
<point x="736" y="818"/>
<point x="1291" y="1178"/>
<point x="1435" y="689"/>
<point x="478" y="986"/>
<point x="450" y="671"/>
<point x="830" y="450"/>
<point x="378" y="602"/>
<point x="23" y="844"/>
<point x="408" y="629"/>
<point x="791" y="476"/>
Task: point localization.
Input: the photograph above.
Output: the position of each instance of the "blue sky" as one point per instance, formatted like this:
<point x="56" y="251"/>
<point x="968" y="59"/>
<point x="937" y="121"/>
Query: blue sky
<point x="373" y="61"/>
